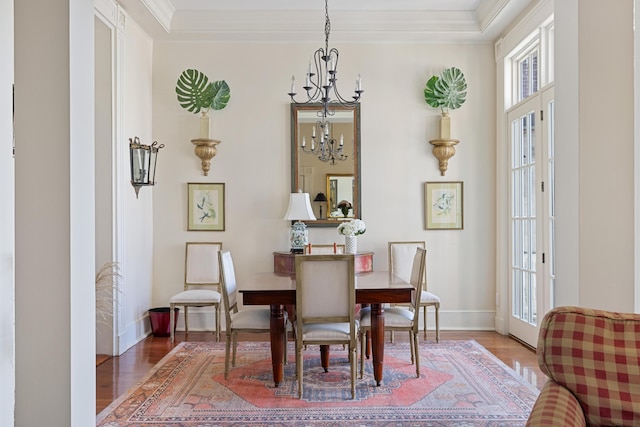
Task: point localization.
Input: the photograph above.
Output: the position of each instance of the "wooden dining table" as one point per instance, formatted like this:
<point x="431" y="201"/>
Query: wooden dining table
<point x="277" y="291"/>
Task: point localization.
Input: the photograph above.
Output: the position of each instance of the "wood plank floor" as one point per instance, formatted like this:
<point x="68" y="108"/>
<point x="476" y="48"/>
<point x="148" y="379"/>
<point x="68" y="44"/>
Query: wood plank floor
<point x="118" y="374"/>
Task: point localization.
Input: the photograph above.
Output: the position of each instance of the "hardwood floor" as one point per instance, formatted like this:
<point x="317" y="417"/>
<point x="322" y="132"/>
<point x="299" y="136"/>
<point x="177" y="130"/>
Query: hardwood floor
<point x="118" y="374"/>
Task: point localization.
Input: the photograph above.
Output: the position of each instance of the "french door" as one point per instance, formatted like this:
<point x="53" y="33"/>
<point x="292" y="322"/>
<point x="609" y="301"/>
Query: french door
<point x="532" y="231"/>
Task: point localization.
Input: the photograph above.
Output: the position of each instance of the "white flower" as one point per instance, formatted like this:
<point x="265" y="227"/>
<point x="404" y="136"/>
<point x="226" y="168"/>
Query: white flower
<point x="355" y="227"/>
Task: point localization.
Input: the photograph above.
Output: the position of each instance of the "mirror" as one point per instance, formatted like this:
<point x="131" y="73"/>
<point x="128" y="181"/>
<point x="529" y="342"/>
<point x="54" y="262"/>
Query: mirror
<point x="334" y="172"/>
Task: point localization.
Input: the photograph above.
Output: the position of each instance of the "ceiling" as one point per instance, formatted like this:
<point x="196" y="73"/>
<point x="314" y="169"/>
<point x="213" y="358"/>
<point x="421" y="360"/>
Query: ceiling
<point x="393" y="21"/>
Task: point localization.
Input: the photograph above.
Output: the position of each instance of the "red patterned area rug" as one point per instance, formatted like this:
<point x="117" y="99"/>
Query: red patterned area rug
<point x="461" y="384"/>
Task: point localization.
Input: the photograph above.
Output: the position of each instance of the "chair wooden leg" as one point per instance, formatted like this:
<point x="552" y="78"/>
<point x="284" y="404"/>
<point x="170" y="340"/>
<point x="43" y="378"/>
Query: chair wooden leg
<point x="412" y="347"/>
<point x="235" y="346"/>
<point x="186" y="319"/>
<point x="217" y="309"/>
<point x="353" y="357"/>
<point x="417" y="354"/>
<point x="171" y="322"/>
<point x="363" y="345"/>
<point x="299" y="366"/>
<point x="227" y="348"/>
<point x="425" y="322"/>
<point x="286" y="342"/>
<point x="437" y="323"/>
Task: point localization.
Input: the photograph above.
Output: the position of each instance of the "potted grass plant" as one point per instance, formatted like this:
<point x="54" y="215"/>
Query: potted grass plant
<point x="197" y="94"/>
<point x="447" y="91"/>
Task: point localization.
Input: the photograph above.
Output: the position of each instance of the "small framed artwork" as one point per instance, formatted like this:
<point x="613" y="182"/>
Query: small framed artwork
<point x="443" y="205"/>
<point x="205" y="206"/>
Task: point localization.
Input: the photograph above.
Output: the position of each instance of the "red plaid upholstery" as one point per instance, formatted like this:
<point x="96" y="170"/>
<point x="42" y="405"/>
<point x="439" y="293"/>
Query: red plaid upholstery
<point x="595" y="356"/>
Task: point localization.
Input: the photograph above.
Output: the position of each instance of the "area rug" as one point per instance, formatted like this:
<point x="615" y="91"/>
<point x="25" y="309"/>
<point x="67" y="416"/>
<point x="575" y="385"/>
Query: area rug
<point x="461" y="384"/>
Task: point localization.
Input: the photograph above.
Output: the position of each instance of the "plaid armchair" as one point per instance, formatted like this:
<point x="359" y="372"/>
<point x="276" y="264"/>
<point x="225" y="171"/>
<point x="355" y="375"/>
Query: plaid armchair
<point x="592" y="359"/>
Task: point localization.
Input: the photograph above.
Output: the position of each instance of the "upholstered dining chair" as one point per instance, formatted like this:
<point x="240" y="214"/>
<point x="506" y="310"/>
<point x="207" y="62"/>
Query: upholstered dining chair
<point x="325" y="307"/>
<point x="254" y="320"/>
<point x="400" y="259"/>
<point x="201" y="283"/>
<point x="400" y="318"/>
<point x="313" y="249"/>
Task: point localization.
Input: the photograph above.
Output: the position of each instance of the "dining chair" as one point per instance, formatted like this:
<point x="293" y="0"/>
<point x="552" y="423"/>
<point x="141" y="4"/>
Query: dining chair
<point x="253" y="320"/>
<point x="399" y="318"/>
<point x="325" y="307"/>
<point x="313" y="249"/>
<point x="400" y="258"/>
<point x="201" y="277"/>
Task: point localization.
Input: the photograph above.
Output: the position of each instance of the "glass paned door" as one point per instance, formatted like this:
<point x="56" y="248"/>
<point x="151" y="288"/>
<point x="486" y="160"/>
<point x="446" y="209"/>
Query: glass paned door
<point x="532" y="227"/>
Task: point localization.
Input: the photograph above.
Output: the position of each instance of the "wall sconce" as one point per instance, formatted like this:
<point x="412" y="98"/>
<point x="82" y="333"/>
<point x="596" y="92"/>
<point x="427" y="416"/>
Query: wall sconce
<point x="299" y="210"/>
<point x="320" y="197"/>
<point x="143" y="163"/>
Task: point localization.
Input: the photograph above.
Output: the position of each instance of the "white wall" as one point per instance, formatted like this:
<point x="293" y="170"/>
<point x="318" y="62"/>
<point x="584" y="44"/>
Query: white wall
<point x="594" y="160"/>
<point x="137" y="227"/>
<point x="254" y="161"/>
<point x="7" y="297"/>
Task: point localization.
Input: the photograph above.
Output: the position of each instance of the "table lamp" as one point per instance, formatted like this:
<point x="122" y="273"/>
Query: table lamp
<point x="299" y="210"/>
<point x="320" y="197"/>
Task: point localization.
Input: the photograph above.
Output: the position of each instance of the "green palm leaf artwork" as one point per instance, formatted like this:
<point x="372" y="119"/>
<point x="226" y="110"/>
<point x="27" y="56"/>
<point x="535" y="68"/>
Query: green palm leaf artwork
<point x="195" y="92"/>
<point x="447" y="91"/>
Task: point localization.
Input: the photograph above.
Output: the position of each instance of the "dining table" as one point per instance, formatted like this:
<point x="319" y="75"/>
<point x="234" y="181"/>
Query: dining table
<point x="278" y="291"/>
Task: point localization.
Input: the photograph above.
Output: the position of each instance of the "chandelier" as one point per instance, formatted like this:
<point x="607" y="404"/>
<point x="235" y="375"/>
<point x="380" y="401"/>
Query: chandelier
<point x="320" y="83"/>
<point x="327" y="149"/>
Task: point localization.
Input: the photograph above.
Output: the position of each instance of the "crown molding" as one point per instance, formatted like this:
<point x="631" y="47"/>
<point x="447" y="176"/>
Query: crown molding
<point x="231" y="22"/>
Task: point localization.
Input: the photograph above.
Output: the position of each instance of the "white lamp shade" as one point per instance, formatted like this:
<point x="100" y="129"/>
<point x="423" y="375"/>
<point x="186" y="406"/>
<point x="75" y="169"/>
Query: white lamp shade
<point x="299" y="208"/>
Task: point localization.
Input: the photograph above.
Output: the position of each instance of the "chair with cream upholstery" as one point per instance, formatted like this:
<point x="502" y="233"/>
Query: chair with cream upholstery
<point x="400" y="318"/>
<point x="325" y="307"/>
<point x="314" y="249"/>
<point x="253" y="320"/>
<point x="201" y="277"/>
<point x="400" y="259"/>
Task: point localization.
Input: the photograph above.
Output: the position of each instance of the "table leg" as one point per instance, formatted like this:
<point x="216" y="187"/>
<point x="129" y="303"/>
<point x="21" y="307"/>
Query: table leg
<point x="324" y="357"/>
<point x="377" y="340"/>
<point x="277" y="342"/>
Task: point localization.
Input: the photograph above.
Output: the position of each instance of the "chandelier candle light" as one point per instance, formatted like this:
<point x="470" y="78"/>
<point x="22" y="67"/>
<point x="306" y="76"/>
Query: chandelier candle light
<point x="320" y="82"/>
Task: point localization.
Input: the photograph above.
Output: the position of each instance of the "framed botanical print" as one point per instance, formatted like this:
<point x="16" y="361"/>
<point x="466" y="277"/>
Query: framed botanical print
<point x="205" y="206"/>
<point x="443" y="205"/>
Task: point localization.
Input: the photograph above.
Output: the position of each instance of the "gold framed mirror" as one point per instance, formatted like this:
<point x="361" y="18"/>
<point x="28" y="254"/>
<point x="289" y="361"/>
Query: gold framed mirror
<point x="313" y="169"/>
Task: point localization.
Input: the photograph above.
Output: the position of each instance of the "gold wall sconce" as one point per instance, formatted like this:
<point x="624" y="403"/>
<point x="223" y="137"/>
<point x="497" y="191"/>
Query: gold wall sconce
<point x="445" y="147"/>
<point x="205" y="148"/>
<point x="446" y="91"/>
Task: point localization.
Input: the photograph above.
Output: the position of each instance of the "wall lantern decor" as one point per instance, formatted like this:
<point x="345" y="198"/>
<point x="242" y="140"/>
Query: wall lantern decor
<point x="197" y="94"/>
<point x="446" y="92"/>
<point x="143" y="163"/>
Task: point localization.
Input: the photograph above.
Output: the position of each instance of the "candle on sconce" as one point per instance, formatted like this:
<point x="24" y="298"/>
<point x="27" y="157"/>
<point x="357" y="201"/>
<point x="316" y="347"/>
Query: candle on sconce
<point x="304" y="141"/>
<point x="341" y="140"/>
<point x="293" y="85"/>
<point x="204" y="126"/>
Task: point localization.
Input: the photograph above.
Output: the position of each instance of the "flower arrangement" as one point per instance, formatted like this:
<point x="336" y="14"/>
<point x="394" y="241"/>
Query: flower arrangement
<point x="355" y="227"/>
<point x="344" y="206"/>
